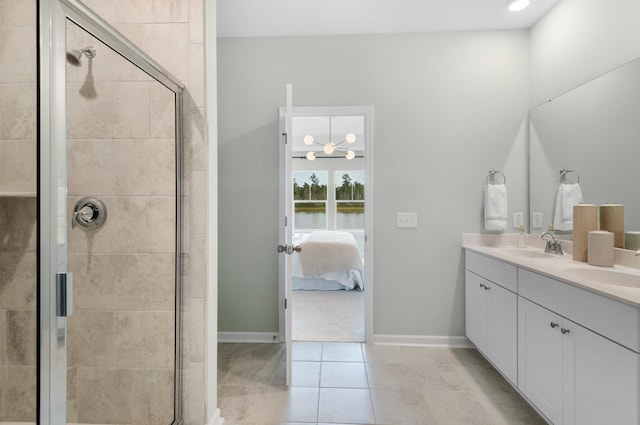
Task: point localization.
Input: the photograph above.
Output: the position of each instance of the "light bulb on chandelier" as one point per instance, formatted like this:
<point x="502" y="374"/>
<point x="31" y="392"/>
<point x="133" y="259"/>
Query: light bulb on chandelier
<point x="330" y="147"/>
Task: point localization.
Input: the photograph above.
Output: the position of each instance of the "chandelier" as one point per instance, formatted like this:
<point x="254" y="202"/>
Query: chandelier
<point x="331" y="147"/>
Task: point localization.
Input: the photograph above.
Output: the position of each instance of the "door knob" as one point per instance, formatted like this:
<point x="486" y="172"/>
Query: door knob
<point x="289" y="249"/>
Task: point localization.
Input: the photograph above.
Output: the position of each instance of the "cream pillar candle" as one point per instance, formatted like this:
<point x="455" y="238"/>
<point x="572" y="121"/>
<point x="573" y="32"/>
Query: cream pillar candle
<point x="601" y="248"/>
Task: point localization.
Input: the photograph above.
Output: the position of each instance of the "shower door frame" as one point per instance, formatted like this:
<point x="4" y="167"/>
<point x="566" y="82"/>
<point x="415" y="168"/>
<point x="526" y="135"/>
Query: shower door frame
<point x="52" y="189"/>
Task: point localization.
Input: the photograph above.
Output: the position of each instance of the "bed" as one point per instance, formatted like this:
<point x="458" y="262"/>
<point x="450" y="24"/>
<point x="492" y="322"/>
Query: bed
<point x="329" y="260"/>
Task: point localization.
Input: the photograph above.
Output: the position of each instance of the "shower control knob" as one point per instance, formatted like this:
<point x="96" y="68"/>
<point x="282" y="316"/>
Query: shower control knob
<point x="89" y="214"/>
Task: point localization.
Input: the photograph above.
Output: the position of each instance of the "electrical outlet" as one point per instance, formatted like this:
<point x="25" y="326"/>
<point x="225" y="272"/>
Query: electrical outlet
<point x="536" y="220"/>
<point x="517" y="220"/>
<point x="407" y="220"/>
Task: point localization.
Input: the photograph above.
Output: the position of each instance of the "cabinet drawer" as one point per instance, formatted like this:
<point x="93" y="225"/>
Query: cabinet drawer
<point x="617" y="321"/>
<point x="504" y="274"/>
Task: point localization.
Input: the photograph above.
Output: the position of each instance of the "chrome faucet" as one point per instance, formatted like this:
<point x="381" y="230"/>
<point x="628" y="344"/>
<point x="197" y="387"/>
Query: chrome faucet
<point x="553" y="245"/>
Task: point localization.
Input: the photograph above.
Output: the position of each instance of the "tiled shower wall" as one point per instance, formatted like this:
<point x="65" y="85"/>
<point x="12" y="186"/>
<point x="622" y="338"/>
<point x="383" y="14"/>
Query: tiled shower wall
<point x="120" y="149"/>
<point x="17" y="213"/>
<point x="172" y="32"/>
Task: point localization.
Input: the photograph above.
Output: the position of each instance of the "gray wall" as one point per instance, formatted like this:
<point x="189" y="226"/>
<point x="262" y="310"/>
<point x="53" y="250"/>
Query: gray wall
<point x="448" y="107"/>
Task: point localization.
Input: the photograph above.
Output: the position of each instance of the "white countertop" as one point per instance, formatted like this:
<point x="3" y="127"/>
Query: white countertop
<point x="502" y="247"/>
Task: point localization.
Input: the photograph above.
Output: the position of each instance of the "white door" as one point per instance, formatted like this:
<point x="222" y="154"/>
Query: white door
<point x="285" y="226"/>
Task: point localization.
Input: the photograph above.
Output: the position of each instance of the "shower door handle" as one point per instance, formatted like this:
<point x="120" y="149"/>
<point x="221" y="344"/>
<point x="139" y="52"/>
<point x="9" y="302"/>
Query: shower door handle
<point x="64" y="294"/>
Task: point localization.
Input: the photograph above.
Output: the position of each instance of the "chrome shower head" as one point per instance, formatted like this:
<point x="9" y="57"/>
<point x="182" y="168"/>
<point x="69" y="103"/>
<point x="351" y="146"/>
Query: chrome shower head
<point x="75" y="55"/>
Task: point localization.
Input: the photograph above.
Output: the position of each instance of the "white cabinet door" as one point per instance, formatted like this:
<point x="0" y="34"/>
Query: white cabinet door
<point x="540" y="358"/>
<point x="476" y="310"/>
<point x="503" y="331"/>
<point x="600" y="379"/>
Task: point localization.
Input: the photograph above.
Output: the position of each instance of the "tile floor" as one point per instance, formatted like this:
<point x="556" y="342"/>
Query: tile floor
<point x="352" y="383"/>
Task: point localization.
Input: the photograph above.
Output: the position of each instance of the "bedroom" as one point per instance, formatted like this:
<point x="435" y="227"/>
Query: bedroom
<point x="328" y="187"/>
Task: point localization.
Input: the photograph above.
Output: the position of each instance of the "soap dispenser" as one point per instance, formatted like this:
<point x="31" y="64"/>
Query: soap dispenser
<point x="522" y="238"/>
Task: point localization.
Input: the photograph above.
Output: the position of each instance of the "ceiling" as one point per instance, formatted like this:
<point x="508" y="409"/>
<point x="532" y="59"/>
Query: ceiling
<point x="260" y="18"/>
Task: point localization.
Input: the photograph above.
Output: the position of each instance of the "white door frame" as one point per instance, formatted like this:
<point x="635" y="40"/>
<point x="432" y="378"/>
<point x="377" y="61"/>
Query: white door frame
<point x="367" y="112"/>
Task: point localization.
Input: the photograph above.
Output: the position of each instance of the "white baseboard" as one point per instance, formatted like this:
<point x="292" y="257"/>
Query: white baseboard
<point x="422" y="341"/>
<point x="216" y="419"/>
<point x="260" y="337"/>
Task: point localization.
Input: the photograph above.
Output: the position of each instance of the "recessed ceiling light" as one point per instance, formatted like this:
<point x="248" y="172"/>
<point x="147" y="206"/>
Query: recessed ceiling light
<point x="516" y="5"/>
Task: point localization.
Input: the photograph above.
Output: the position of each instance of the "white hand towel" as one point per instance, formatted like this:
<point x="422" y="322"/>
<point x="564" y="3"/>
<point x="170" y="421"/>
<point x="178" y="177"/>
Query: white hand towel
<point x="569" y="194"/>
<point x="495" y="207"/>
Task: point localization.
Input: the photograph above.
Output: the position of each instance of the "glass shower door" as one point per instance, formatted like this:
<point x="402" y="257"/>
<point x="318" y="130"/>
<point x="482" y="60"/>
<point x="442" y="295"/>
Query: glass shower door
<point x="121" y="157"/>
<point x="109" y="230"/>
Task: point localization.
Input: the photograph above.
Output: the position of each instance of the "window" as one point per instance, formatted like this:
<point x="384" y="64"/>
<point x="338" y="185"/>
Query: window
<point x="310" y="200"/>
<point x="349" y="191"/>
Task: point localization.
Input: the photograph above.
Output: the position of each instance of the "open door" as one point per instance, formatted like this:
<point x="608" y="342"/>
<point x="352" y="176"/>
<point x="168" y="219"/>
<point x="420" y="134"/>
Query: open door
<point x="285" y="226"/>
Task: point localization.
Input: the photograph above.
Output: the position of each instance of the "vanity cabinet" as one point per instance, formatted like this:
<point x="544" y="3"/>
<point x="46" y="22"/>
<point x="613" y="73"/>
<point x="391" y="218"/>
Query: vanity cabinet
<point x="491" y="312"/>
<point x="571" y="374"/>
<point x="571" y="352"/>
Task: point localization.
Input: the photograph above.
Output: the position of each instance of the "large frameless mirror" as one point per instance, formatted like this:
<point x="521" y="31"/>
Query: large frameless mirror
<point x="592" y="130"/>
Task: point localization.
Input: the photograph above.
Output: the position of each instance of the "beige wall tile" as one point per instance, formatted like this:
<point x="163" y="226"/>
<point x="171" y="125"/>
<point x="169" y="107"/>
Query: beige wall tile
<point x="18" y="12"/>
<point x="17" y="50"/>
<point x="19" y="236"/>
<point x="193" y="348"/>
<point x="195" y="145"/>
<point x="21" y="337"/>
<point x="196" y="63"/>
<point x="162" y="114"/>
<point x="134" y="11"/>
<point x="196" y="21"/>
<point x="19" y="161"/>
<point x="119" y="111"/>
<point x="163" y="282"/>
<point x="72" y="395"/>
<point x="197" y="267"/>
<point x="134" y="224"/>
<point x="110" y="281"/>
<point x="90" y="339"/>
<point x="104" y="396"/>
<point x="18" y="111"/>
<point x="152" y="396"/>
<point x="107" y="65"/>
<point x="18" y="393"/>
<point x="194" y="409"/>
<point x="198" y="203"/>
<point x="145" y="339"/>
<point x="155" y="39"/>
<point x="18" y="276"/>
<point x="121" y="167"/>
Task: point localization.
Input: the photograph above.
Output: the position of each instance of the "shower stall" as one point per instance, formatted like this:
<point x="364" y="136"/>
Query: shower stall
<point x="90" y="222"/>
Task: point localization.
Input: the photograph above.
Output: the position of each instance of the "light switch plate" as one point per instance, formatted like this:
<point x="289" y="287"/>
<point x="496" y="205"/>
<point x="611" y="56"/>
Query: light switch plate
<point x="536" y="220"/>
<point x="517" y="220"/>
<point x="407" y="220"/>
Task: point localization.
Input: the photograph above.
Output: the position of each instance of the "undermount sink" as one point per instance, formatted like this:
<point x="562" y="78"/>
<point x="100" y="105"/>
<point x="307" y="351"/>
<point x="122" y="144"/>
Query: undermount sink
<point x="526" y="253"/>
<point x="610" y="277"/>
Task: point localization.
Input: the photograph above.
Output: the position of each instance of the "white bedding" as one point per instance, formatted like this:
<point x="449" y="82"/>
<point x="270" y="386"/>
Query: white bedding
<point x="327" y="257"/>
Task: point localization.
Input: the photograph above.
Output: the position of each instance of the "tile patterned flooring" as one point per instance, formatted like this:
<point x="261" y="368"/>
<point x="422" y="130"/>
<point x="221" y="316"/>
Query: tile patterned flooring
<point x="353" y="383"/>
